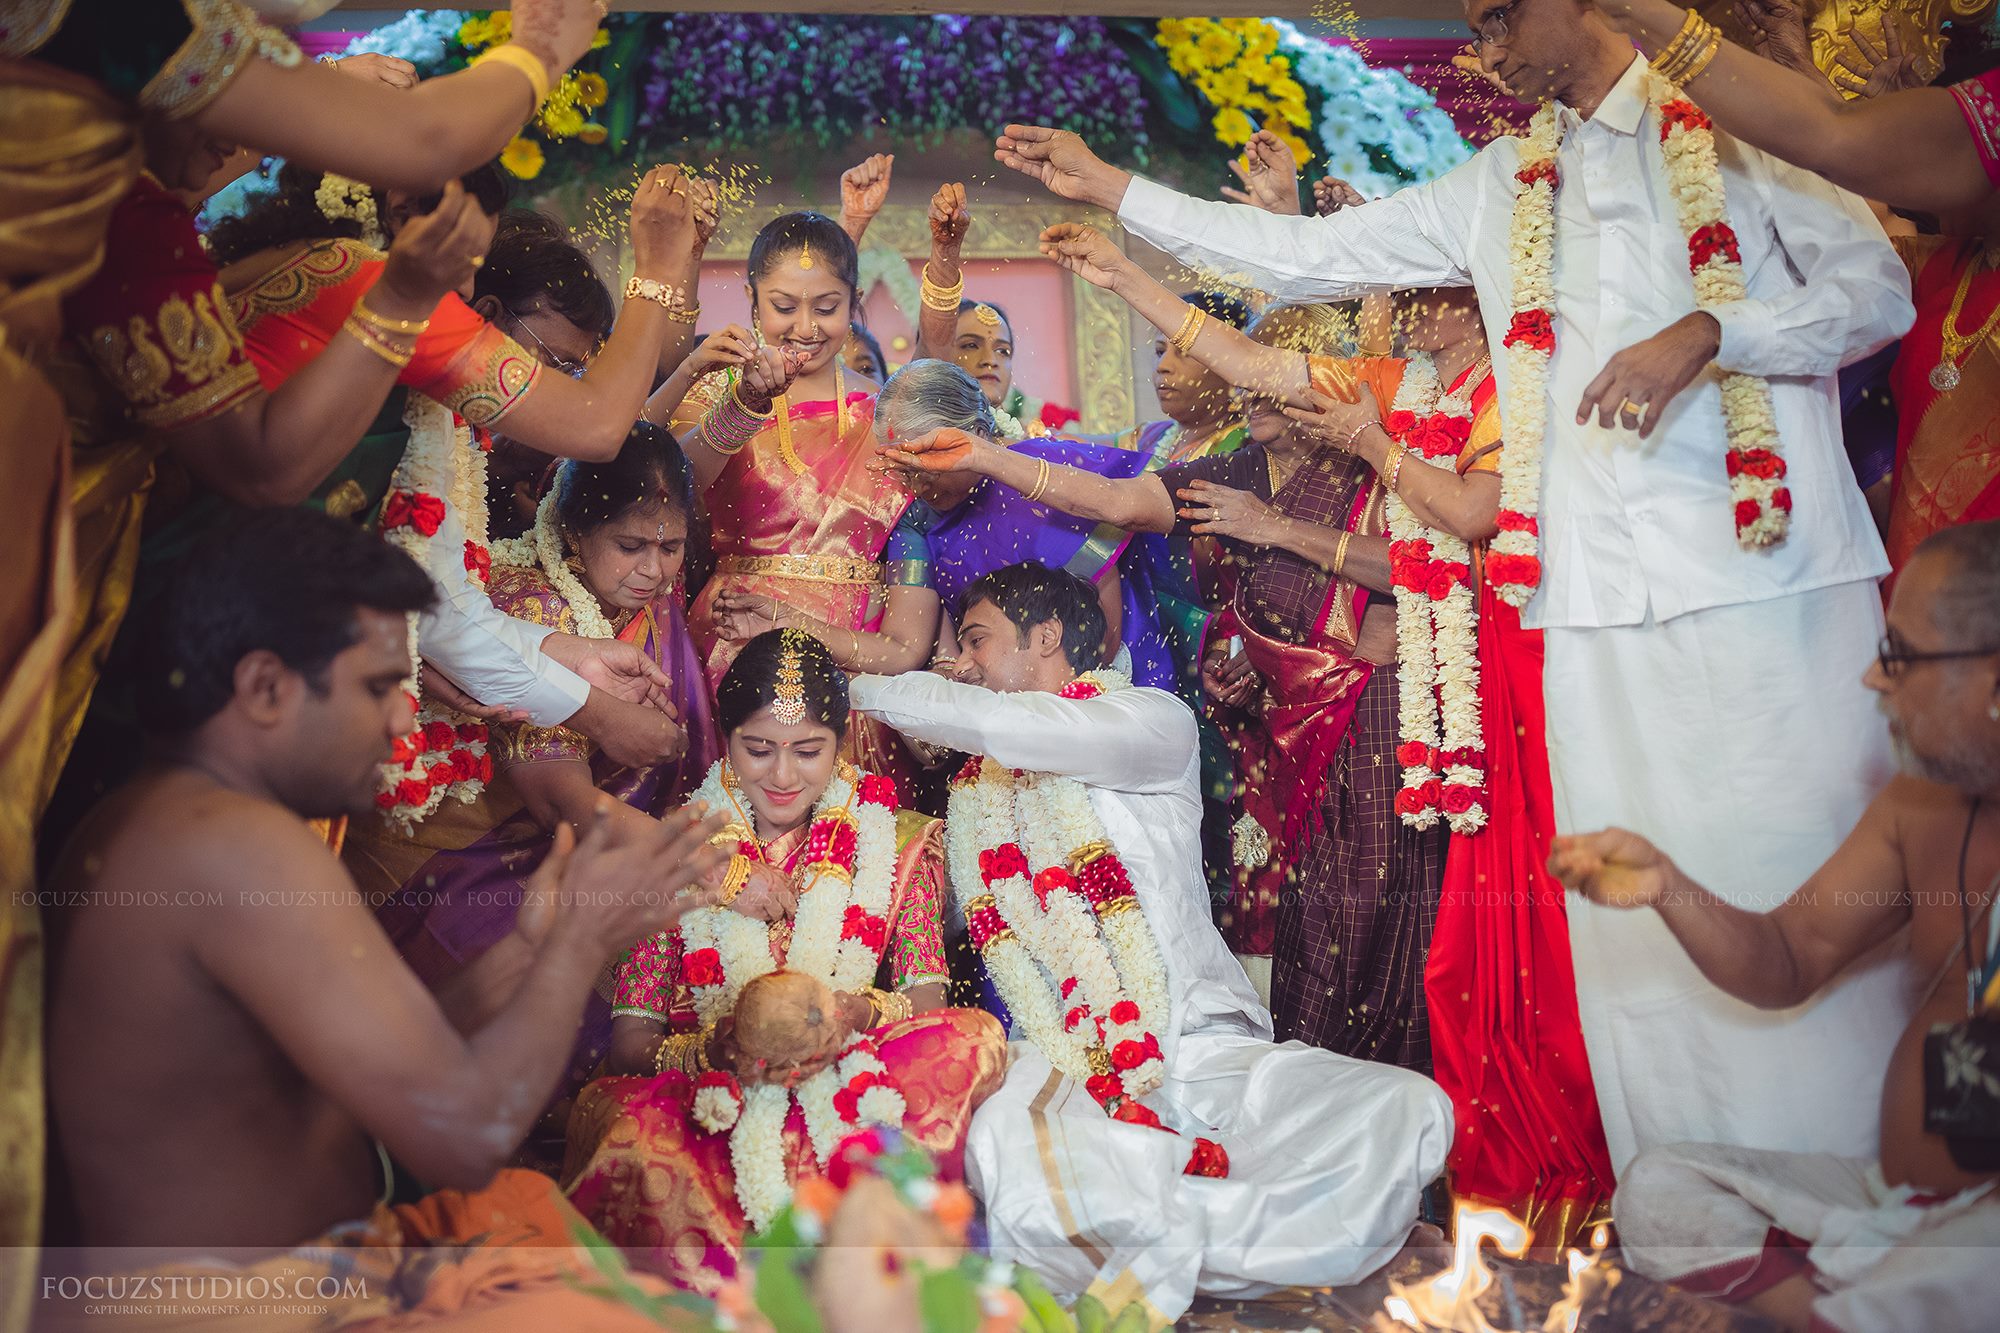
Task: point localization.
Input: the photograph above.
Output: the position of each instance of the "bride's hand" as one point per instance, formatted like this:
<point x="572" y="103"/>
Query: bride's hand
<point x="949" y="218"/>
<point x="768" y="895"/>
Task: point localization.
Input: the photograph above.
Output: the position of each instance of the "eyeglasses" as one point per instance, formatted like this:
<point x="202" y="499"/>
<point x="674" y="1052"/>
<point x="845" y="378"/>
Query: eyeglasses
<point x="1492" y="29"/>
<point x="574" y="369"/>
<point x="1895" y="657"/>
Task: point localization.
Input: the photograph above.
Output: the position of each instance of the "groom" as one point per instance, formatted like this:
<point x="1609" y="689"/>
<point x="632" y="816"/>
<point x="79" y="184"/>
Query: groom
<point x="1701" y="693"/>
<point x="1328" y="1156"/>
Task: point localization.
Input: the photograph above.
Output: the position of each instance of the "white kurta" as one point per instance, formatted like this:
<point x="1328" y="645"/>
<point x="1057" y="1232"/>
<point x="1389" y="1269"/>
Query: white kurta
<point x="1328" y="1156"/>
<point x="1704" y="696"/>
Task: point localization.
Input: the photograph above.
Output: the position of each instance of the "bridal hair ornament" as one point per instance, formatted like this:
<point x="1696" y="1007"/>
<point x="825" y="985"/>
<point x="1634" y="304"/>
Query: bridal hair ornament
<point x="788" y="705"/>
<point x="339" y="197"/>
<point x="987" y="315"/>
<point x="806" y="255"/>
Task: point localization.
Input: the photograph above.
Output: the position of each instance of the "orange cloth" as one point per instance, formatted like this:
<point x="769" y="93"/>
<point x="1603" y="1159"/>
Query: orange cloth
<point x="506" y="1257"/>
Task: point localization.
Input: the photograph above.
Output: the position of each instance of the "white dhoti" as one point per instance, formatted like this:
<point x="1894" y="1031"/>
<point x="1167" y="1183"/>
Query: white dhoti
<point x="1741" y="741"/>
<point x="1704" y="1217"/>
<point x="1328" y="1158"/>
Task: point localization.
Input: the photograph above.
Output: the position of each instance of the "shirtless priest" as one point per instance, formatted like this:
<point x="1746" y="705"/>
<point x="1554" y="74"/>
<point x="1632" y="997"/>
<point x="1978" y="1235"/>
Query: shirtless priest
<point x="1906" y="1240"/>
<point x="1150" y="1140"/>
<point x="237" y="1054"/>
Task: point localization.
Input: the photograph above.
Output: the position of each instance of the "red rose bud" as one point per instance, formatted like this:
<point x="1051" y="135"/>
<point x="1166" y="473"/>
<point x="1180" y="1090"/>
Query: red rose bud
<point x="1053" y="880"/>
<point x="702" y="967"/>
<point x="438" y="735"/>
<point x="1747" y="512"/>
<point x="1782" y="499"/>
<point x="1076" y="1016"/>
<point x="843" y="846"/>
<point x="1068" y="985"/>
<point x="1104" y="1088"/>
<point x="1124" y="1012"/>
<point x="1207" y="1159"/>
<point x="1440" y="583"/>
<point x="1135" y="1113"/>
<point x="1127" y="1056"/>
<point x="478" y="560"/>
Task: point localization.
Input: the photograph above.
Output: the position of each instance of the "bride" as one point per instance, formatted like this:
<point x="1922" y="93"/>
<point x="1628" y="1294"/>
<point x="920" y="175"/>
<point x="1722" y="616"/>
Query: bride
<point x="807" y="1007"/>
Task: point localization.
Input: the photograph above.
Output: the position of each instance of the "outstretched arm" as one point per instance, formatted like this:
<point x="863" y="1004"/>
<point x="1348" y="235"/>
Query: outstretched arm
<point x="1127" y="740"/>
<point x="1770" y="959"/>
<point x="1137" y="504"/>
<point x="1910" y="149"/>
<point x="1238" y="358"/>
<point x="937" y="328"/>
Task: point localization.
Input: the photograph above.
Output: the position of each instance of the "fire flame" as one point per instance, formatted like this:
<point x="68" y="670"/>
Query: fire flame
<point x="1450" y="1300"/>
<point x="1566" y="1313"/>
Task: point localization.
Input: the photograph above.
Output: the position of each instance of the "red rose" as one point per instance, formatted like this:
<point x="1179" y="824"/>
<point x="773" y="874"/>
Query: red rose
<point x="478" y="560"/>
<point x="1207" y="1159"/>
<point x="1459" y="798"/>
<point x="1075" y="1016"/>
<point x="1544" y="170"/>
<point x="1400" y="424"/>
<point x="1104" y="1088"/>
<point x="1002" y="862"/>
<point x="1081" y="689"/>
<point x="1782" y="498"/>
<point x="1069" y="984"/>
<point x="860" y="925"/>
<point x="1135" y="1113"/>
<point x="405" y="749"/>
<point x="1410" y="801"/>
<point x="1124" y="1012"/>
<point x="1433" y="791"/>
<point x="720" y="1078"/>
<point x="1520" y="570"/>
<point x="423" y="512"/>
<point x="486" y="768"/>
<point x="877" y="790"/>
<point x="1533" y="327"/>
<point x="1127" y="1056"/>
<point x="847" y="1105"/>
<point x="1757" y="462"/>
<point x="385" y="800"/>
<point x="1152" y="1045"/>
<point x="471" y="731"/>
<point x="1681" y="114"/>
<point x="855" y="1156"/>
<point x="412" y="792"/>
<point x="1412" y="754"/>
<point x="1510" y="521"/>
<point x="1053" y="880"/>
<point x="1439" y="583"/>
<point x="438" y="735"/>
<point x="702" y="967"/>
<point x="1714" y="239"/>
<point x="1747" y="512"/>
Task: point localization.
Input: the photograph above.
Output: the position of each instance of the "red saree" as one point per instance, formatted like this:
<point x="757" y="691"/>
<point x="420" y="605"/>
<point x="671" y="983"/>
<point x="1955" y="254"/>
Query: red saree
<point x="1506" y="1042"/>
<point x="1948" y="444"/>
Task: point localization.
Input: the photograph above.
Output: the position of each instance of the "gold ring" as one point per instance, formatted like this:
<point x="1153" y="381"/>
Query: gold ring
<point x="1636" y="409"/>
<point x="479" y="261"/>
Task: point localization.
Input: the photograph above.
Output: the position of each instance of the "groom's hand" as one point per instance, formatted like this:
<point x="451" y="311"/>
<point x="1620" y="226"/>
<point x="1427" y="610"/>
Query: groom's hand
<point x="1635" y="386"/>
<point x="1060" y="160"/>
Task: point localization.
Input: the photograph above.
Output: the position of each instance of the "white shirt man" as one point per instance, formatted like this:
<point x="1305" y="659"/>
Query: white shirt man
<point x="1695" y="691"/>
<point x="1328" y="1156"/>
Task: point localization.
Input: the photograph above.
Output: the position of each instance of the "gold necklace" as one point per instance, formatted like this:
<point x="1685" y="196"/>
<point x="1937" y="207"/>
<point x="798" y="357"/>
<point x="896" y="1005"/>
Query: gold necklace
<point x="783" y="407"/>
<point x="1953" y="345"/>
<point x="1278" y="479"/>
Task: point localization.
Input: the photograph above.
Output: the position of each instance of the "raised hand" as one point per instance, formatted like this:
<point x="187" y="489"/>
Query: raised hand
<point x="730" y="346"/>
<point x="767" y="375"/>
<point x="1331" y="194"/>
<point x="705" y="202"/>
<point x="742" y="616"/>
<point x="1060" y="160"/>
<point x="864" y="187"/>
<point x="663" y="223"/>
<point x="1269" y="173"/>
<point x="438" y="251"/>
<point x="949" y="218"/>
<point x="559" y="31"/>
<point x="1614" y="868"/>
<point x="626" y="879"/>
<point x="1086" y="252"/>
<point x="1876" y="71"/>
<point x="1635" y="386"/>
<point x="1777" y="31"/>
<point x="381" y="68"/>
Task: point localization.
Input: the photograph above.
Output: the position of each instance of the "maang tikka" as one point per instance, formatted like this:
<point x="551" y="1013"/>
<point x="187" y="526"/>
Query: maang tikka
<point x="788" y="703"/>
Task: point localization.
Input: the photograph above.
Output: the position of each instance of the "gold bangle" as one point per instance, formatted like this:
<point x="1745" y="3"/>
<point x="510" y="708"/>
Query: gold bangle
<point x="660" y="1053"/>
<point x="736" y="392"/>
<point x="374" y="342"/>
<point x="1190" y="329"/>
<point x="736" y="877"/>
<point x="944" y="300"/>
<point x="1041" y="480"/>
<point x="408" y="328"/>
<point x="701" y="1040"/>
<point x="888" y="1006"/>
<point x="521" y="58"/>
<point x="1395" y="468"/>
<point x="1676" y="47"/>
<point x="1702" y="58"/>
<point x="1340" y="552"/>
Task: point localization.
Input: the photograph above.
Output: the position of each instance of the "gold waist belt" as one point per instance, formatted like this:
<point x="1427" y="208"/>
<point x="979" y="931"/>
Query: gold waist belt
<point x="806" y="568"/>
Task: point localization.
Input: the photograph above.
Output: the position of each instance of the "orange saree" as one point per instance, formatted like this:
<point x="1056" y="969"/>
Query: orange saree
<point x="665" y="1191"/>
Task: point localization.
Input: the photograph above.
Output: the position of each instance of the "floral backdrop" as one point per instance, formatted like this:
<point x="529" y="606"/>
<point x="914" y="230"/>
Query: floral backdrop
<point x="1156" y="95"/>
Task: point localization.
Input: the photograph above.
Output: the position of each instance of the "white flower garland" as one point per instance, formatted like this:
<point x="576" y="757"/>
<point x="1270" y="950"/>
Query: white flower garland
<point x="1442" y="731"/>
<point x="542" y="548"/>
<point x="440" y="467"/>
<point x="1054" y="914"/>
<point x="1513" y="558"/>
<point x="821" y="946"/>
